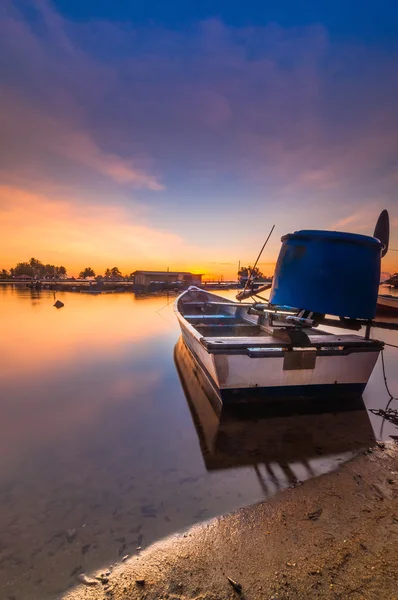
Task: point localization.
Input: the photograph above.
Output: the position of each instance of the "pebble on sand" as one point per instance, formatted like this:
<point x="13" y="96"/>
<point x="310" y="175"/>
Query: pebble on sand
<point x="237" y="586"/>
<point x="87" y="580"/>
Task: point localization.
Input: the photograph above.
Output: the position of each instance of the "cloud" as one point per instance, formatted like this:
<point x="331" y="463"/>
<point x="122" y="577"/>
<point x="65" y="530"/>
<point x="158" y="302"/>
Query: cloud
<point x="281" y="107"/>
<point x="362" y="220"/>
<point x="354" y="218"/>
<point x="33" y="138"/>
<point x="78" y="146"/>
<point x="78" y="233"/>
<point x="44" y="82"/>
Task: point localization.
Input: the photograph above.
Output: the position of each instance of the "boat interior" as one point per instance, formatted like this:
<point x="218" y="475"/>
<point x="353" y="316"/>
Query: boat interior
<point x="243" y="325"/>
<point x="213" y="316"/>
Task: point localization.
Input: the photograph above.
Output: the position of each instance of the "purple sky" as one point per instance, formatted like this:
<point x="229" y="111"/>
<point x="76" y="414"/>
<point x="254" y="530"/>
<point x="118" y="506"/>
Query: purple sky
<point x="146" y="145"/>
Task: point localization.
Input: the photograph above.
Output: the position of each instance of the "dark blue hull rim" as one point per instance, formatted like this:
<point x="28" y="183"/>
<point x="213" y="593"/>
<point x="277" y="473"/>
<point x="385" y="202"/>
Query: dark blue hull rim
<point x="320" y="392"/>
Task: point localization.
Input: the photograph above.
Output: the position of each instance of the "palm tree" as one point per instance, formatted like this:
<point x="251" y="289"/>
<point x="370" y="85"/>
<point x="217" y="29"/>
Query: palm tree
<point x="116" y="272"/>
<point x="87" y="272"/>
<point x="37" y="267"/>
<point x="249" y="271"/>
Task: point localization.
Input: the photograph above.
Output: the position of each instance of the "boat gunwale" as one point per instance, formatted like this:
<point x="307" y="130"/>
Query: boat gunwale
<point x="236" y="345"/>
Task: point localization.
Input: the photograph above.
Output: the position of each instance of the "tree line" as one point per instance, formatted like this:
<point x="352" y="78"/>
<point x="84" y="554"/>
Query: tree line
<point x="249" y="271"/>
<point x="88" y="272"/>
<point x="37" y="270"/>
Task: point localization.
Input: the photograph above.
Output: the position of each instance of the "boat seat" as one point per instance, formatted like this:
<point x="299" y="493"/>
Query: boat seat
<point x="200" y="317"/>
<point x="316" y="341"/>
<point x="230" y="325"/>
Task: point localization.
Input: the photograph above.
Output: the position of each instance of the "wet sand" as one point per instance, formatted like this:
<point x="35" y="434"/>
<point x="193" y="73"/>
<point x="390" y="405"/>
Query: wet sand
<point x="334" y="536"/>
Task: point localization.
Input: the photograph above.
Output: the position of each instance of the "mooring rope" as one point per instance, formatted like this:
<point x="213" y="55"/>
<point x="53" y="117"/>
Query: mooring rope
<point x="387" y="413"/>
<point x="391" y="345"/>
<point x="385" y="377"/>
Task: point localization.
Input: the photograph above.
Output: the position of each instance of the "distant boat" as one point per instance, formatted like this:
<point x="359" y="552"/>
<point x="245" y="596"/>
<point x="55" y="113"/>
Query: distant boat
<point x="272" y="353"/>
<point x="254" y="283"/>
<point x="387" y="303"/>
<point x="393" y="280"/>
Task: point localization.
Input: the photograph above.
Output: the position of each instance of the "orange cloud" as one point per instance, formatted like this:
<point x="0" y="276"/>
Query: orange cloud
<point x="65" y="232"/>
<point x="77" y="235"/>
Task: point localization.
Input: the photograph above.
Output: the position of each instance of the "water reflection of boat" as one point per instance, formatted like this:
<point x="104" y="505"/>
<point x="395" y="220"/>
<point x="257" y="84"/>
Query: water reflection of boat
<point x="288" y="432"/>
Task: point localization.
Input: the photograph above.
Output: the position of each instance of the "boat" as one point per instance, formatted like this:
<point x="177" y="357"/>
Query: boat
<point x="255" y="282"/>
<point x="387" y="303"/>
<point x="269" y="351"/>
<point x="275" y="347"/>
<point x="393" y="281"/>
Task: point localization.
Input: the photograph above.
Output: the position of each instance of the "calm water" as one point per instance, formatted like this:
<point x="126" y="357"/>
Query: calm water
<point x="102" y="451"/>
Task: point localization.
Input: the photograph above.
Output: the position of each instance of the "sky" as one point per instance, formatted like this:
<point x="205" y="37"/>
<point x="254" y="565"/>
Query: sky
<point x="148" y="135"/>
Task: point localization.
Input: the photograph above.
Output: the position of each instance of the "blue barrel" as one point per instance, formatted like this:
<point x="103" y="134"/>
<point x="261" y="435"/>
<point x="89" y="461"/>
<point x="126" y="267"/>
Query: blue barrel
<point x="328" y="272"/>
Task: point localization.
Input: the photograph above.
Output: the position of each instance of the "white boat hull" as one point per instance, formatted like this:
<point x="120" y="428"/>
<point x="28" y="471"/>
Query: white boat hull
<point x="263" y="370"/>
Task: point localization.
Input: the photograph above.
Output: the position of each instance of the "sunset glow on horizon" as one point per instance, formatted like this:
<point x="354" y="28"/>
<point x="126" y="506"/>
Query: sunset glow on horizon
<point x="155" y="141"/>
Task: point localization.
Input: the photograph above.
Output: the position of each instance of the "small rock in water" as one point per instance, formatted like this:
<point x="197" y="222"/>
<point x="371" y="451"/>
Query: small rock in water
<point x="125" y="558"/>
<point x="87" y="580"/>
<point x="59" y="304"/>
<point x="76" y="570"/>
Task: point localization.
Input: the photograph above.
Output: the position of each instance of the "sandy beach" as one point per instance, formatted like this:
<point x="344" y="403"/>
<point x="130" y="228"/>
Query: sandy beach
<point x="334" y="536"/>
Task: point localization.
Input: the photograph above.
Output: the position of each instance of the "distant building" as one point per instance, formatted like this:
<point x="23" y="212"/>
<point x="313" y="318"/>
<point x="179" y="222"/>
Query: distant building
<point x="145" y="278"/>
<point x="23" y="277"/>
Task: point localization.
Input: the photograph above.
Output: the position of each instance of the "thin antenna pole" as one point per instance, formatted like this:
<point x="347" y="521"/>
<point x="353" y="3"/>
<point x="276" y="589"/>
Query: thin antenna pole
<point x="258" y="258"/>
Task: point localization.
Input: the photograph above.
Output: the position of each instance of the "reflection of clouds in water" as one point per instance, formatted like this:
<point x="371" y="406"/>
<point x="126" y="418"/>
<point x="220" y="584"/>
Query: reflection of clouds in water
<point x="87" y="327"/>
<point x="57" y="411"/>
